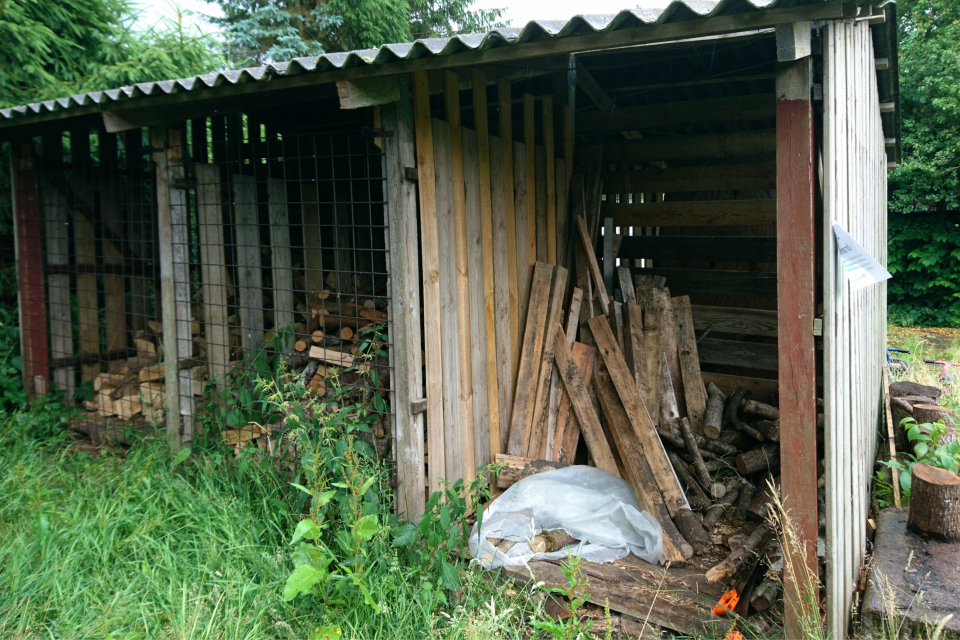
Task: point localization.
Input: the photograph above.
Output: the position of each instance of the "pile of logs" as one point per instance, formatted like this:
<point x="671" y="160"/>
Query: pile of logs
<point x="705" y="464"/>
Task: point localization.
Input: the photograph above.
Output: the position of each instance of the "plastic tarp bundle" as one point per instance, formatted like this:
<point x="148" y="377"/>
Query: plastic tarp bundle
<point x="593" y="506"/>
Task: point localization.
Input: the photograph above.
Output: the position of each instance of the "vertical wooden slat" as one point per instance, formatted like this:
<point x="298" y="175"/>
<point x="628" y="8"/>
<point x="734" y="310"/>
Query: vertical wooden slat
<point x="452" y="96"/>
<point x="567" y="147"/>
<point x="453" y="426"/>
<point x="541" y="222"/>
<point x="280" y="261"/>
<point x="551" y="195"/>
<point x="695" y="396"/>
<point x="510" y="221"/>
<point x="84" y="247"/>
<point x="138" y="229"/>
<point x="249" y="275"/>
<point x="501" y="285"/>
<point x="486" y="229"/>
<point x="180" y="241"/>
<point x="524" y="265"/>
<point x="56" y="233"/>
<point x="405" y="353"/>
<point x="312" y="252"/>
<point x="213" y="271"/>
<point x="795" y="313"/>
<point x="430" y="257"/>
<point x="529" y="143"/>
<point x="30" y="294"/>
<point x="563" y="213"/>
<point x="478" y="335"/>
<point x="115" y="312"/>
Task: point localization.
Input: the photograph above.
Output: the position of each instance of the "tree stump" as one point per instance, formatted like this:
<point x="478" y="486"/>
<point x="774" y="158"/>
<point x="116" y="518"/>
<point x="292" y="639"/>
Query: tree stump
<point x="935" y="503"/>
<point x="906" y="388"/>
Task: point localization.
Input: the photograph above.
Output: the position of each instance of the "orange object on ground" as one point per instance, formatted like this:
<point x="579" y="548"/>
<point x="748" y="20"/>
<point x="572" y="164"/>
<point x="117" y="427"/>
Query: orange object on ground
<point x="733" y="634"/>
<point x="727" y="602"/>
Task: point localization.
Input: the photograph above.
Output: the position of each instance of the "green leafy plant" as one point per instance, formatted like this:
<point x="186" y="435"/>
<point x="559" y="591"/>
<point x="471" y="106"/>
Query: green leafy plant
<point x="927" y="449"/>
<point x="573" y="596"/>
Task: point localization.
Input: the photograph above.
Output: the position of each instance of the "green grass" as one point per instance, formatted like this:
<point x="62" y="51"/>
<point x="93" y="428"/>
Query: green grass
<point x="122" y="545"/>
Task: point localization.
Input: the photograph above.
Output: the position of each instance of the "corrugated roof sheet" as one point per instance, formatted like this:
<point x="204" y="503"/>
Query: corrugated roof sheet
<point x="537" y="30"/>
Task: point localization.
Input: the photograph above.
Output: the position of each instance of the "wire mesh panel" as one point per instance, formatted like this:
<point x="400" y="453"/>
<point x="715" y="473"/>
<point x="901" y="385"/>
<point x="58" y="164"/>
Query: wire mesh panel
<point x="280" y="265"/>
<point x="85" y="215"/>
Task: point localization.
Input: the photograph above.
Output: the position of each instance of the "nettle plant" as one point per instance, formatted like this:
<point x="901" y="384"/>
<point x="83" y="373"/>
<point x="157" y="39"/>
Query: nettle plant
<point x="927" y="448"/>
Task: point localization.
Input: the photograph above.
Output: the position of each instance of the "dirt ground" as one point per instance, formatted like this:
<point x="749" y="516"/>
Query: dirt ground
<point x="939" y="343"/>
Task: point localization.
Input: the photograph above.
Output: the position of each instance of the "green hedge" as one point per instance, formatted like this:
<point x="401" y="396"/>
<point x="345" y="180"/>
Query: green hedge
<point x="924" y="258"/>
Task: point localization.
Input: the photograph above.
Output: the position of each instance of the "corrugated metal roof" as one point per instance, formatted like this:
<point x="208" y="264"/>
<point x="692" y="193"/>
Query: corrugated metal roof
<point x="538" y="30"/>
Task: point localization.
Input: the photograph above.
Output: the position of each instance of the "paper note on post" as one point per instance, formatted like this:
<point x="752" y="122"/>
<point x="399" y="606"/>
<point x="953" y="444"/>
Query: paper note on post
<point x="860" y="267"/>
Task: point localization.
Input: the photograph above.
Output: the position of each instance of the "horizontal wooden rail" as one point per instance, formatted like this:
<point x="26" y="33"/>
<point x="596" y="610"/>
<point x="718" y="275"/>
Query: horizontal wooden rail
<point x="707" y="145"/>
<point x="683" y="282"/>
<point x="734" y="109"/>
<point x="693" y="214"/>
<point x="732" y="248"/>
<point x="738" y="354"/>
<point x="731" y="177"/>
<point x="753" y="322"/>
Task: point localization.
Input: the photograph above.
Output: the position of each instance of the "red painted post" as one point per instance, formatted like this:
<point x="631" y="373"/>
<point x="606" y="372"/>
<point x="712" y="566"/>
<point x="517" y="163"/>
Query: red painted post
<point x="796" y="308"/>
<point x="33" y="313"/>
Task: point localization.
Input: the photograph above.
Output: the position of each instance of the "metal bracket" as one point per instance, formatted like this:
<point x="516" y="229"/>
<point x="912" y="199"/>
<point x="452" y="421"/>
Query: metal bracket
<point x="818" y="326"/>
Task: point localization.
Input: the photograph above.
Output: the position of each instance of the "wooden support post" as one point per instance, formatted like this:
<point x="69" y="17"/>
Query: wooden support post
<point x="795" y="312"/>
<point x="529" y="141"/>
<point x="405" y="354"/>
<point x="452" y="95"/>
<point x="501" y="286"/>
<point x="280" y="261"/>
<point x="85" y="251"/>
<point x="548" y="147"/>
<point x="430" y="254"/>
<point x="30" y="293"/>
<point x="212" y="271"/>
<point x="57" y="236"/>
<point x="115" y="309"/>
<point x="249" y="273"/>
<point x="510" y="219"/>
<point x="139" y="230"/>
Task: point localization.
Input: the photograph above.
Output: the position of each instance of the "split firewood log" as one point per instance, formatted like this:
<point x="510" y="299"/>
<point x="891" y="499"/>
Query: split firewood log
<point x="715" y="489"/>
<point x="713" y="419"/>
<point x="736" y="559"/>
<point x="676" y="441"/>
<point x="748" y="491"/>
<point x="765" y="500"/>
<point x="550" y="541"/>
<point x="765" y="595"/>
<point x="687" y="479"/>
<point x="730" y="414"/>
<point x="691" y="528"/>
<point x="760" y="459"/>
<point x="715" y="512"/>
<point x="769" y="428"/>
<point x="760" y="409"/>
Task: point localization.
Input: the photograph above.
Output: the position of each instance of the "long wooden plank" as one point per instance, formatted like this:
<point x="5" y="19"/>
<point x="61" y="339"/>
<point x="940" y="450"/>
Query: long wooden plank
<point x="213" y="271"/>
<point x="563" y="213"/>
<point x="556" y="392"/>
<point x="506" y="137"/>
<point x="652" y="319"/>
<point x="535" y="435"/>
<point x="280" y="261"/>
<point x="739" y="354"/>
<point x="249" y="275"/>
<point x="84" y="247"/>
<point x="643" y="425"/>
<point x="796" y="308"/>
<point x="634" y="344"/>
<point x="453" y="426"/>
<point x="708" y="145"/>
<point x="478" y="336"/>
<point x="668" y="344"/>
<point x="548" y="147"/>
<point x="540" y="171"/>
<point x="757" y="284"/>
<point x="529" y="143"/>
<point x="114" y="304"/>
<point x="592" y="264"/>
<point x="705" y="213"/>
<point x="637" y="469"/>
<point x="729" y="110"/>
<point x="182" y="286"/>
<point x="405" y="353"/>
<point x="521" y="201"/>
<point x="730" y="248"/>
<point x="430" y="260"/>
<point x="734" y="177"/>
<point x="312" y="243"/>
<point x="753" y="322"/>
<point x="583" y="407"/>
<point x="533" y="335"/>
<point x="568" y="427"/>
<point x="501" y="285"/>
<point x="452" y="98"/>
<point x="694" y="393"/>
<point x="497" y="435"/>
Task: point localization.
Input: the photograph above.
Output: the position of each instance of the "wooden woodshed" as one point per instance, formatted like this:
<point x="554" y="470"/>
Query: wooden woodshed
<point x="415" y="218"/>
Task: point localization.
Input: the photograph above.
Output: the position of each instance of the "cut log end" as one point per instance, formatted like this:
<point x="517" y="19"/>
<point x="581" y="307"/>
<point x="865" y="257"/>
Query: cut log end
<point x="935" y="503"/>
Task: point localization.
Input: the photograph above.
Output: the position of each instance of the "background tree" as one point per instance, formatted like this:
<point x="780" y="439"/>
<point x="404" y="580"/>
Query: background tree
<point x="260" y="31"/>
<point x="924" y="239"/>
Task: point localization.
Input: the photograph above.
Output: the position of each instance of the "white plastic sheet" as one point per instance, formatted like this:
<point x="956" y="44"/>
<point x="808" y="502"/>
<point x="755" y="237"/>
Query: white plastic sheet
<point x="593" y="506"/>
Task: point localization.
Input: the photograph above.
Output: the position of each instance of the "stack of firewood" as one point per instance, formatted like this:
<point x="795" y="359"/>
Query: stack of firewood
<point x="704" y="463"/>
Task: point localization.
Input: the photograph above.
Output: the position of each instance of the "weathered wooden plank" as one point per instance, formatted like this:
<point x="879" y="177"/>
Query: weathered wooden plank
<point x="731" y="248"/>
<point x="704" y="213"/>
<point x="280" y="261"/>
<point x="453" y="426"/>
<point x="249" y="274"/>
<point x="452" y="99"/>
<point x="535" y="436"/>
<point x="182" y="286"/>
<point x="405" y="353"/>
<point x="729" y="110"/>
<point x="563" y="213"/>
<point x="583" y="407"/>
<point x="752" y="355"/>
<point x="540" y="171"/>
<point x="652" y="319"/>
<point x="694" y="393"/>
<point x="733" y="177"/>
<point x="796" y="308"/>
<point x="478" y="335"/>
<point x="551" y="195"/>
<point x="312" y="252"/>
<point x="608" y="255"/>
<point x="556" y="390"/>
<point x="753" y="322"/>
<point x="497" y="434"/>
<point x="634" y="351"/>
<point x="430" y="260"/>
<point x="627" y="289"/>
<point x="530" y="358"/>
<point x="213" y="271"/>
<point x="114" y="304"/>
<point x="592" y="264"/>
<point x="708" y="145"/>
<point x="758" y="284"/>
<point x="761" y="389"/>
<point x="85" y="252"/>
<point x="668" y="344"/>
<point x="637" y="469"/>
<point x="529" y="143"/>
<point x="510" y="218"/>
<point x="643" y="425"/>
<point x="501" y="285"/>
<point x="568" y="427"/>
<point x="524" y="261"/>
